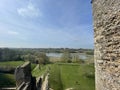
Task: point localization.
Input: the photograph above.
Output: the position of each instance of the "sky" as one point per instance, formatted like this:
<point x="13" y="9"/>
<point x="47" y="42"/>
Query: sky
<point x="46" y="24"/>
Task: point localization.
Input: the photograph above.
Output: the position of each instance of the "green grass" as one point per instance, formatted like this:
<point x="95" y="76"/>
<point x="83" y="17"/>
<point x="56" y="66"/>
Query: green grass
<point x="62" y="75"/>
<point x="55" y="78"/>
<point x="38" y="72"/>
<point x="11" y="63"/>
<point x="14" y="64"/>
<point x="33" y="66"/>
<point x="76" y="76"/>
<point x="7" y="80"/>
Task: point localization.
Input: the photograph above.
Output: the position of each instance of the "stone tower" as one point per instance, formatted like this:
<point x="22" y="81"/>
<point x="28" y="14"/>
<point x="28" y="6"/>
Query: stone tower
<point x="106" y="14"/>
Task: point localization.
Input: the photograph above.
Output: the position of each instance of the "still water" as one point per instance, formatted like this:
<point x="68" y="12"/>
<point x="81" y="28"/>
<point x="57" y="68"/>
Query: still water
<point x="81" y="56"/>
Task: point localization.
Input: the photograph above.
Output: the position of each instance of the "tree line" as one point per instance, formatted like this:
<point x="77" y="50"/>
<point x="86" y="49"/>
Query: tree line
<point x="38" y="55"/>
<point x="11" y="54"/>
<point x="67" y="57"/>
<point x="58" y="50"/>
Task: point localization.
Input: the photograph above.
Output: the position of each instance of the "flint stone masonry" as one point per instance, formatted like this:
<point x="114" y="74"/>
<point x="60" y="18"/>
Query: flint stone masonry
<point x="106" y="14"/>
<point x="24" y="79"/>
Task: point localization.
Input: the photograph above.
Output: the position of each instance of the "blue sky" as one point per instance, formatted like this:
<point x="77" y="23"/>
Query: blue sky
<point x="46" y="23"/>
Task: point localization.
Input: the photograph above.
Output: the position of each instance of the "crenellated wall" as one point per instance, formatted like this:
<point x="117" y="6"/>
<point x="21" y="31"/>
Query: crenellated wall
<point x="106" y="14"/>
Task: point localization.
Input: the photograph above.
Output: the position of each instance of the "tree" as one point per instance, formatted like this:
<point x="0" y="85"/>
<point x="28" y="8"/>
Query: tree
<point x="75" y="58"/>
<point x="66" y="57"/>
<point x="7" y="54"/>
<point x="41" y="58"/>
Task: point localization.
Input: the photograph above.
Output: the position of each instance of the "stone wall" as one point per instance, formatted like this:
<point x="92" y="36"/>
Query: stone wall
<point x="24" y="79"/>
<point x="106" y="14"/>
<point x="45" y="85"/>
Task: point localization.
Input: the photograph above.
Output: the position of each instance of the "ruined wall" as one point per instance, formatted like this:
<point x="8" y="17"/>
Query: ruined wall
<point x="106" y="14"/>
<point x="25" y="80"/>
<point x="23" y="77"/>
<point x="45" y="85"/>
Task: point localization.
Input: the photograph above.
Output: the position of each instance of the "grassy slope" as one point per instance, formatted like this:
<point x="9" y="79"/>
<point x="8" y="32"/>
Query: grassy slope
<point x="11" y="63"/>
<point x="72" y="76"/>
<point x="62" y="76"/>
<point x="7" y="80"/>
<point x="55" y="78"/>
<point x="14" y="64"/>
<point x="38" y="72"/>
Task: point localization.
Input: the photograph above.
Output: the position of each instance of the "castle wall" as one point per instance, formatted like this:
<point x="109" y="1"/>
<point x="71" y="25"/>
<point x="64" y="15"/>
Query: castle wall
<point x="106" y="14"/>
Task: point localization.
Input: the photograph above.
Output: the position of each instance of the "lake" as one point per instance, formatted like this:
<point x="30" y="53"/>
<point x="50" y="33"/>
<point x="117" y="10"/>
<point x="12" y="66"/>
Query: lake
<point x="81" y="55"/>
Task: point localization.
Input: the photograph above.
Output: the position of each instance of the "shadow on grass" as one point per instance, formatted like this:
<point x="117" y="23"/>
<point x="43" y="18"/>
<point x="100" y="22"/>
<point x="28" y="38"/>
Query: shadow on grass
<point x="7" y="80"/>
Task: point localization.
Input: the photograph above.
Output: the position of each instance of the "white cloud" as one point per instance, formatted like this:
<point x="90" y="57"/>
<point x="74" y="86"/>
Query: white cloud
<point x="13" y="32"/>
<point x="29" y="11"/>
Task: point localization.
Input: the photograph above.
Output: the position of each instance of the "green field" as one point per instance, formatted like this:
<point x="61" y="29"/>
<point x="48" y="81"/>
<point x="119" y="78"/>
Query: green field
<point x="14" y="64"/>
<point x="38" y="71"/>
<point x="11" y="63"/>
<point x="63" y="76"/>
<point x="7" y="80"/>
<point x="74" y="76"/>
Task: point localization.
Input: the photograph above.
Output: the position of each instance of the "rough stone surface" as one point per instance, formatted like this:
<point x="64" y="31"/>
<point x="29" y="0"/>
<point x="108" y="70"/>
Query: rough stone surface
<point x="24" y="79"/>
<point x="39" y="83"/>
<point x="106" y="14"/>
<point x="45" y="83"/>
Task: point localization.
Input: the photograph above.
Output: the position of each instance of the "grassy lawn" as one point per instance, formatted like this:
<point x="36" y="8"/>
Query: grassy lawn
<point x="39" y="71"/>
<point x="14" y="64"/>
<point x="7" y="80"/>
<point x="75" y="76"/>
<point x="11" y="63"/>
<point x="62" y="75"/>
<point x="55" y="78"/>
<point x="33" y="66"/>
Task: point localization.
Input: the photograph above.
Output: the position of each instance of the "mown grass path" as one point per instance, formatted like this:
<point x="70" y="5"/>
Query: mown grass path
<point x="72" y="76"/>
